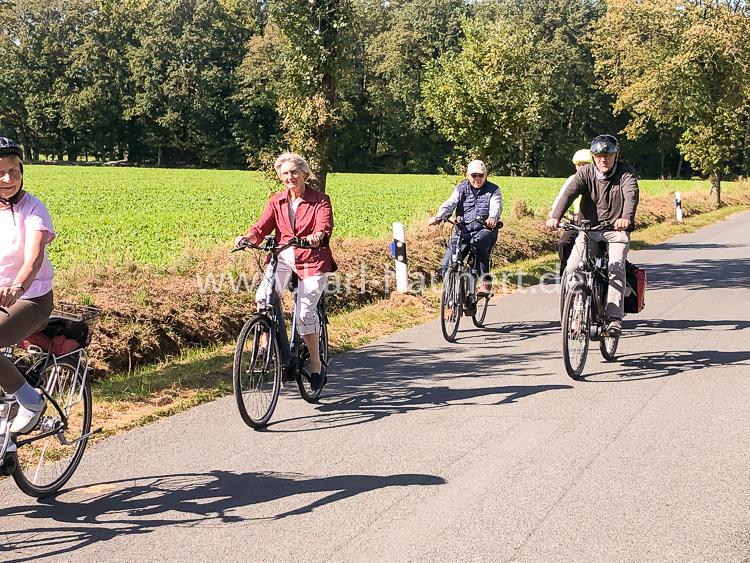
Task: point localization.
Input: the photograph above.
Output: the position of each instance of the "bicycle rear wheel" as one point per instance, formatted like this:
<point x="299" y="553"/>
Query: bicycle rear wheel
<point x="45" y="465"/>
<point x="451" y="305"/>
<point x="483" y="303"/>
<point x="303" y="373"/>
<point x="256" y="372"/>
<point x="575" y="329"/>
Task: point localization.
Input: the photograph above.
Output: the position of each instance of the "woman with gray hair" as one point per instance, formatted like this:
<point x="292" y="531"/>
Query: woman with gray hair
<point x="301" y="211"/>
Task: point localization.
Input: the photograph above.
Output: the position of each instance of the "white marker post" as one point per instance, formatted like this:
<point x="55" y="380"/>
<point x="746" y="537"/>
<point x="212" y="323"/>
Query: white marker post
<point x="678" y="206"/>
<point x="398" y="251"/>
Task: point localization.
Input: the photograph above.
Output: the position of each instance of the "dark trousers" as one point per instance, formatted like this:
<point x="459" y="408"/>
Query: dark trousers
<point x="482" y="243"/>
<point x="565" y="247"/>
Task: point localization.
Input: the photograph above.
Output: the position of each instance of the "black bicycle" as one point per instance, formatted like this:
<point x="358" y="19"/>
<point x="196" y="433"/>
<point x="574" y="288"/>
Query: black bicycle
<point x="585" y="304"/>
<point x="460" y="282"/>
<point x="264" y="355"/>
<point x="43" y="460"/>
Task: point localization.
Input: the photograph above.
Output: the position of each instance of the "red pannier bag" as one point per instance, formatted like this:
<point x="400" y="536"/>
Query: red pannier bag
<point x="635" y="290"/>
<point x="59" y="345"/>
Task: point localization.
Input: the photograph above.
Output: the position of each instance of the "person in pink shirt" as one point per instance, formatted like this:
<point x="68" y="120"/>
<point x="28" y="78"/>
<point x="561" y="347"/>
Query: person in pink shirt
<point x="25" y="279"/>
<point x="303" y="212"/>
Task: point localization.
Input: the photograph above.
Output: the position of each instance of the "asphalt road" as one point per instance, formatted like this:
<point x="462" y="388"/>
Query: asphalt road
<point x="481" y="450"/>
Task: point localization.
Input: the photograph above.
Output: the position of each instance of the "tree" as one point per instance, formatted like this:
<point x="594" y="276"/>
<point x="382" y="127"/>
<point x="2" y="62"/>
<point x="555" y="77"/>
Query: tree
<point x="36" y="49"/>
<point x="183" y="66"/>
<point x="683" y="66"/>
<point x="491" y="98"/>
<point x="319" y="38"/>
<point x="403" y="39"/>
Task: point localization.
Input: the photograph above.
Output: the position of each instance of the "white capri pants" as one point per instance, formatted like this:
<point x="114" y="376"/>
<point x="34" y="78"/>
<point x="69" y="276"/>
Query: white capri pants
<point x="309" y="291"/>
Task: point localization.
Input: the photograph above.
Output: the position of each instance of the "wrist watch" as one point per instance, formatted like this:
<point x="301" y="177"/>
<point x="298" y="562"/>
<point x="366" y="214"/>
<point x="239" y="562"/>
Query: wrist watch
<point x="19" y="285"/>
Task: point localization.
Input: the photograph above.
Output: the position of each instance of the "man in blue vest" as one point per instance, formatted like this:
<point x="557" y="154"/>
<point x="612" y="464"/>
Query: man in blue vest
<point x="480" y="203"/>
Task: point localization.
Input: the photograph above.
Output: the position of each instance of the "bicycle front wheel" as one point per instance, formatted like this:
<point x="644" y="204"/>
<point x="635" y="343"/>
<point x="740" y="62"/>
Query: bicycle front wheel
<point x="608" y="347"/>
<point x="451" y="305"/>
<point x="256" y="372"/>
<point x="303" y="374"/>
<point x="45" y="465"/>
<point x="575" y="329"/>
<point x="481" y="311"/>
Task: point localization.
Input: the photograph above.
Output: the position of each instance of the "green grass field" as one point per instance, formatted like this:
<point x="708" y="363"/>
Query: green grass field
<point x="148" y="215"/>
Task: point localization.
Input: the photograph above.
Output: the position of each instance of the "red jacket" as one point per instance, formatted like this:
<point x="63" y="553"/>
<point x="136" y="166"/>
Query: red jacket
<point x="314" y="214"/>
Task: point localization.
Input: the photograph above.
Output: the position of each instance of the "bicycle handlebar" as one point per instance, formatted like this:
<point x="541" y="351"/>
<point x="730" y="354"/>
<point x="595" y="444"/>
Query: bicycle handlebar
<point x="270" y="245"/>
<point x="604" y="226"/>
<point x="460" y="222"/>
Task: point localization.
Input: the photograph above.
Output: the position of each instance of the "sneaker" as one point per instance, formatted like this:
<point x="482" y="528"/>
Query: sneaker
<point x="485" y="288"/>
<point x="316" y="381"/>
<point x="28" y="417"/>
<point x="614" y="328"/>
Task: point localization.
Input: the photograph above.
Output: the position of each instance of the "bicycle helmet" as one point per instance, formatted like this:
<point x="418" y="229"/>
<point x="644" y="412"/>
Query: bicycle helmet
<point x="9" y="146"/>
<point x="605" y="144"/>
<point x="582" y="156"/>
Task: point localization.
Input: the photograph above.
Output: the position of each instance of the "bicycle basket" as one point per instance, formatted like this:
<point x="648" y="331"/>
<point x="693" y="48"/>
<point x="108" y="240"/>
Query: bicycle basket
<point x="76" y="312"/>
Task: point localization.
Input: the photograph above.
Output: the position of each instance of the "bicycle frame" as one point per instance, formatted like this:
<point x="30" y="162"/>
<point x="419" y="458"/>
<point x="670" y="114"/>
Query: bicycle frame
<point x="34" y="372"/>
<point x="592" y="278"/>
<point x="464" y="265"/>
<point x="272" y="305"/>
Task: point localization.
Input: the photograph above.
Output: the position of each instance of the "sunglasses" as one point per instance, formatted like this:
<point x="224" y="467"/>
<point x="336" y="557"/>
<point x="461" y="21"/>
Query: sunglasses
<point x="476" y="176"/>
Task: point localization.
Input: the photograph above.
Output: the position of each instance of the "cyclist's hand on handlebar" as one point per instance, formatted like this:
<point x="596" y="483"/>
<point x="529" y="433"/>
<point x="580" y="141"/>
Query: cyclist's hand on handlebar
<point x="491" y="222"/>
<point x="239" y="241"/>
<point x="621" y="224"/>
<point x="314" y="239"/>
<point x="434" y="220"/>
<point x="553" y="223"/>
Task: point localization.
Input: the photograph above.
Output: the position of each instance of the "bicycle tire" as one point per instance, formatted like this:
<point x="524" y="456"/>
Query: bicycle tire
<point x="46" y="465"/>
<point x="481" y="311"/>
<point x="608" y="347"/>
<point x="256" y="372"/>
<point x="451" y="305"/>
<point x="302" y="376"/>
<point x="575" y="330"/>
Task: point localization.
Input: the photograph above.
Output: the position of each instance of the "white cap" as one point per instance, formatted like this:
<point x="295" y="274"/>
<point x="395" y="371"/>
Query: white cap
<point x="476" y="167"/>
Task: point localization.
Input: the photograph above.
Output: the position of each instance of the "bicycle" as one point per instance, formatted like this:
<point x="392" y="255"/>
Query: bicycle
<point x="585" y="303"/>
<point x="44" y="460"/>
<point x="459" y="284"/>
<point x="263" y="351"/>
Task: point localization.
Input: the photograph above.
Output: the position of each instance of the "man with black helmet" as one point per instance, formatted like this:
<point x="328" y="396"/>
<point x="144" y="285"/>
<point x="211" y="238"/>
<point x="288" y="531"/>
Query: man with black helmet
<point x="610" y="193"/>
<point x="25" y="280"/>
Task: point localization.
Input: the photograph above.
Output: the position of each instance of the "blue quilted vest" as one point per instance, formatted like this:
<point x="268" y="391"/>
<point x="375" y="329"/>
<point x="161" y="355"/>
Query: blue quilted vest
<point x="475" y="204"/>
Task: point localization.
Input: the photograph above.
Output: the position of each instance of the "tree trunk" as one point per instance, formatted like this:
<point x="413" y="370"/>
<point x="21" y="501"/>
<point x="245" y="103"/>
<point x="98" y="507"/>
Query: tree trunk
<point x="714" y="196"/>
<point x="679" y="168"/>
<point x="159" y="156"/>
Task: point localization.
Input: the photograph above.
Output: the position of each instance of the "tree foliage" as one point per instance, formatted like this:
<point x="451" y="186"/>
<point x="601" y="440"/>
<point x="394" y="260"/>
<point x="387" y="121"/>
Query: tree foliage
<point x="683" y="66"/>
<point x="389" y="85"/>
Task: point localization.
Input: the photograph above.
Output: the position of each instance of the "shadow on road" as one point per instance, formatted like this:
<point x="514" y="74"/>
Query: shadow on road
<point x="693" y="246"/>
<point x="705" y="273"/>
<point x="664" y="364"/>
<point x="140" y="506"/>
<point x="636" y="328"/>
<point x="375" y="383"/>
